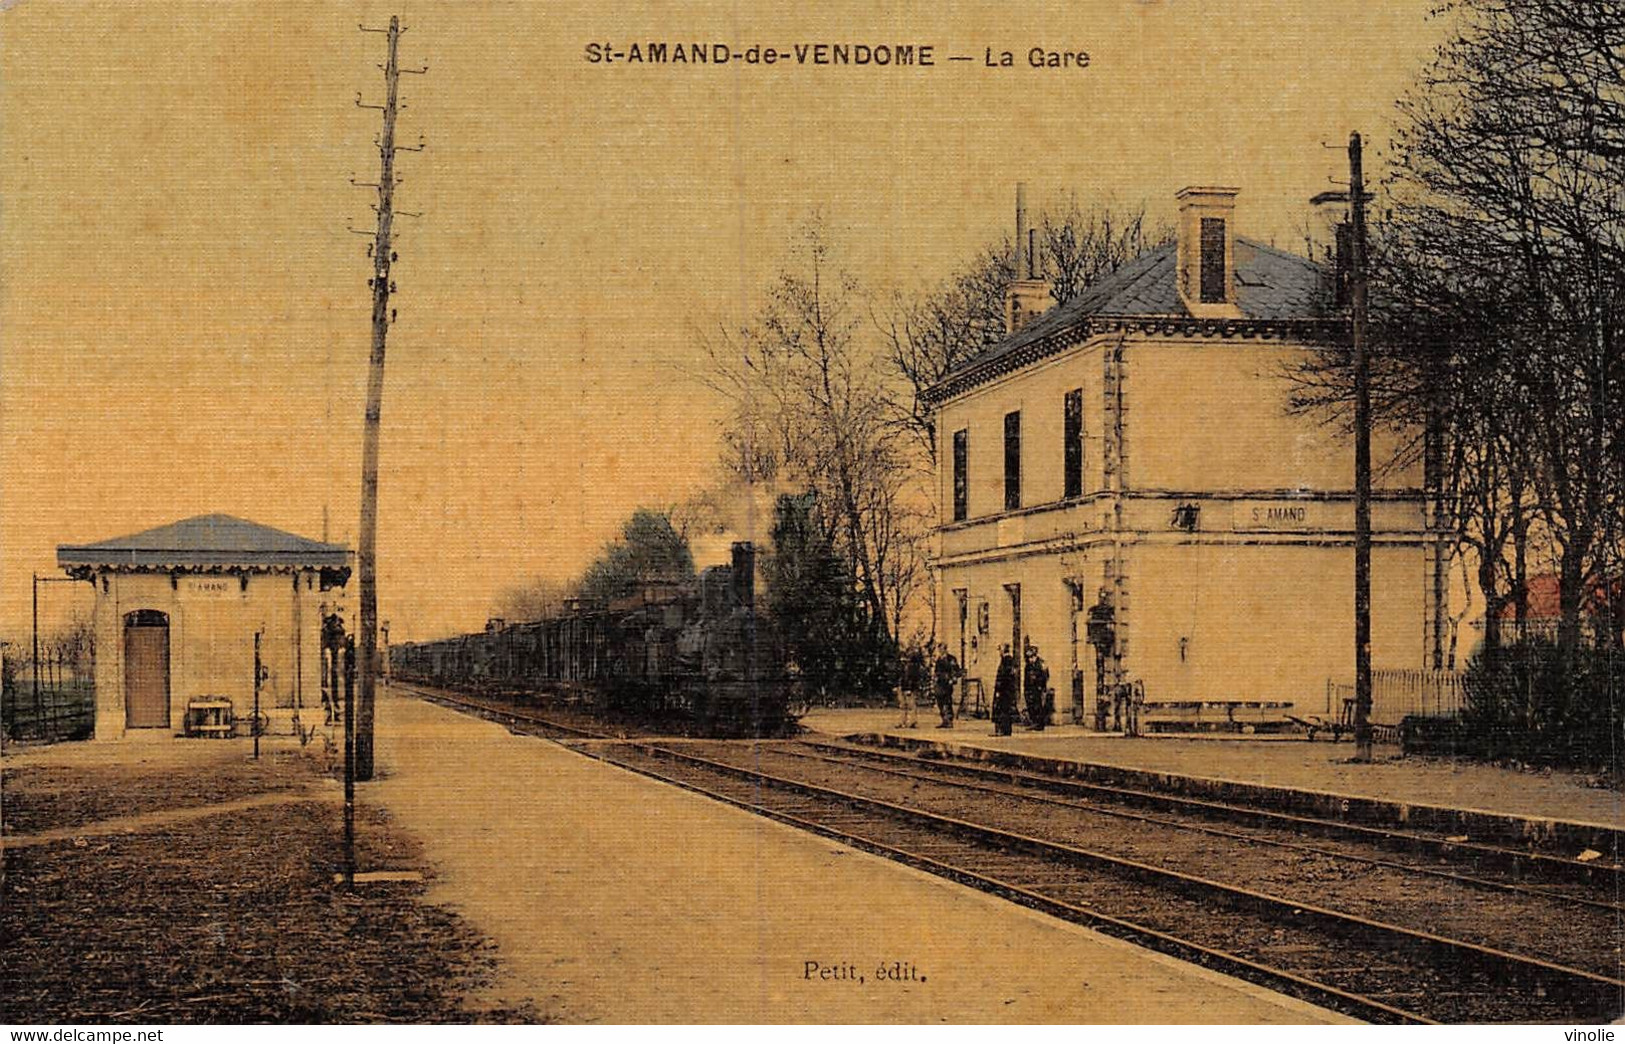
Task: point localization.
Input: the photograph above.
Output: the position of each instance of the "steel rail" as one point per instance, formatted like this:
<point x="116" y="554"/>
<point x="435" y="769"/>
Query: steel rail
<point x="1117" y="813"/>
<point x="514" y="714"/>
<point x="1565" y="868"/>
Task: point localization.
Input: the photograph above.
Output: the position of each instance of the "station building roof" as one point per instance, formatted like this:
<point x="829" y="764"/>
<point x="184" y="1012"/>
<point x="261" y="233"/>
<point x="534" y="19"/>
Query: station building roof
<point x="1274" y="289"/>
<point x="206" y="542"/>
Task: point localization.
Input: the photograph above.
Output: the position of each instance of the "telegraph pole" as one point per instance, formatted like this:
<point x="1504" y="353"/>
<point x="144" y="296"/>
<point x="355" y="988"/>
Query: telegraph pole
<point x="382" y="256"/>
<point x="1362" y="460"/>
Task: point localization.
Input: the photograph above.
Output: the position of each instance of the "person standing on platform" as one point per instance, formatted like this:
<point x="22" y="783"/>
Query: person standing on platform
<point x="1037" y="688"/>
<point x="947" y="673"/>
<point x="910" y="681"/>
<point x="1005" y="686"/>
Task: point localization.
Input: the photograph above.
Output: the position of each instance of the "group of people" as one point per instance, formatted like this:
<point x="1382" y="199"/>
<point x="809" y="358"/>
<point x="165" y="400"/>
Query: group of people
<point x="942" y="674"/>
<point x="1009" y="686"/>
<point x="945" y="672"/>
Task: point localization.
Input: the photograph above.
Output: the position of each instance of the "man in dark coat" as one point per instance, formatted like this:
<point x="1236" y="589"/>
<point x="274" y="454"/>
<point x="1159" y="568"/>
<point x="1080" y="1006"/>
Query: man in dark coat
<point x="1037" y="688"/>
<point x="946" y="671"/>
<point x="1005" y="686"/>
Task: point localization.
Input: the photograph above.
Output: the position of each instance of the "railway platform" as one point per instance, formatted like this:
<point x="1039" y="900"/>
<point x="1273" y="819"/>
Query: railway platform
<point x="615" y="898"/>
<point x="1558" y="807"/>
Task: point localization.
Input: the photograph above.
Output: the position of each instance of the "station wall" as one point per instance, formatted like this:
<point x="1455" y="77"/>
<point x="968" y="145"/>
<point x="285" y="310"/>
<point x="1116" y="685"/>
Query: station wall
<point x="212" y="621"/>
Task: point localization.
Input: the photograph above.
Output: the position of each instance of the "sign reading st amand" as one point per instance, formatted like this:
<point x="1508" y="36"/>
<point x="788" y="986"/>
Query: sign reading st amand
<point x="1290" y="515"/>
<point x="214" y="588"/>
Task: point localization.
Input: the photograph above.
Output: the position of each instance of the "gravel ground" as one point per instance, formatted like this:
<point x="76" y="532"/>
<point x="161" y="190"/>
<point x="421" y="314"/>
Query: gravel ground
<point x="230" y="918"/>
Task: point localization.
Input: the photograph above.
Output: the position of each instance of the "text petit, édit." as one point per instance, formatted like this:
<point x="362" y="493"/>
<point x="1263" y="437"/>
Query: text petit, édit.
<point x="846" y="971"/>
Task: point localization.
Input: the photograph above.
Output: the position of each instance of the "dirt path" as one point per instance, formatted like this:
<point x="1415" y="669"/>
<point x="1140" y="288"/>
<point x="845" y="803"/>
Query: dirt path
<point x="613" y="898"/>
<point x="146" y="820"/>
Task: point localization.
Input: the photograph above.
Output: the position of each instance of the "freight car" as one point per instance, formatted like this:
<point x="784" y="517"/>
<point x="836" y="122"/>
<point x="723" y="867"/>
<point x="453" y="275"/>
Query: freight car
<point x="693" y="655"/>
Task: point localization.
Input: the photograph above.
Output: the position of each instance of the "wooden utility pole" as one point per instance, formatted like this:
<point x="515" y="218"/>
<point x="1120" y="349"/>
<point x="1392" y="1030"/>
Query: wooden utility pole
<point x="382" y="256"/>
<point x="1362" y="459"/>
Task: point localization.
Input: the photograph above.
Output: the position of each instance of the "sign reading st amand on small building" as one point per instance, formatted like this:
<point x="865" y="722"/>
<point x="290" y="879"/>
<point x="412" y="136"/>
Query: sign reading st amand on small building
<point x="212" y="588"/>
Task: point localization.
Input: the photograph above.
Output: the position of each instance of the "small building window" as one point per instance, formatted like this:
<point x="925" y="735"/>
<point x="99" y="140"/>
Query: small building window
<point x="961" y="475"/>
<point x="1012" y="460"/>
<point x="1213" y="261"/>
<point x="1072" y="454"/>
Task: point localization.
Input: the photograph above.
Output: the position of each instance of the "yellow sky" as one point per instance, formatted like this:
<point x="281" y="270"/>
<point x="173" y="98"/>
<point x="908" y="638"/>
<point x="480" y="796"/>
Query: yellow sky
<point x="185" y="320"/>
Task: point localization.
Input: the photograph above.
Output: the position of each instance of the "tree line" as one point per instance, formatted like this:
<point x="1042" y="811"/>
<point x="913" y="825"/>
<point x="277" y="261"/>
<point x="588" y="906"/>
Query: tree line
<point x="1497" y="288"/>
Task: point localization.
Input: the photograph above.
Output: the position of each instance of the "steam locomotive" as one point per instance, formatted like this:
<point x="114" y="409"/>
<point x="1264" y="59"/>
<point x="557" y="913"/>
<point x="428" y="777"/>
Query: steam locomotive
<point x="693" y="655"/>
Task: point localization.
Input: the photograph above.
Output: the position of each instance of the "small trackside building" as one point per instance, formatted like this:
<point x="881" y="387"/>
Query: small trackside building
<point x="1122" y="483"/>
<point x="178" y="610"/>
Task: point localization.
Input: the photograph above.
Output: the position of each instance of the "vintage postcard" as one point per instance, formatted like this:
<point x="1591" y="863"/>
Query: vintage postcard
<point x="693" y="513"/>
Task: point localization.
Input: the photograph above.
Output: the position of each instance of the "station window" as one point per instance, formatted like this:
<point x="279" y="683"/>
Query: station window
<point x="1012" y="460"/>
<point x="961" y="475"/>
<point x="1072" y="453"/>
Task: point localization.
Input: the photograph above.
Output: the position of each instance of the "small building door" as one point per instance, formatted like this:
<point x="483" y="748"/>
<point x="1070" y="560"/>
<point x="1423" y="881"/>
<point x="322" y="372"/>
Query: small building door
<point x="146" y="669"/>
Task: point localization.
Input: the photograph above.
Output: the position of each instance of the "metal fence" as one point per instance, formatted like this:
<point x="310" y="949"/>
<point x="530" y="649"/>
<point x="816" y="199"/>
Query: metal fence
<point x="63" y="709"/>
<point x="1397" y="695"/>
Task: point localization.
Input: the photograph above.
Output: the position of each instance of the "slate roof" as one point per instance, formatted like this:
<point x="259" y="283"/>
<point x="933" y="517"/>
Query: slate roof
<point x="1271" y="286"/>
<point x="207" y="541"/>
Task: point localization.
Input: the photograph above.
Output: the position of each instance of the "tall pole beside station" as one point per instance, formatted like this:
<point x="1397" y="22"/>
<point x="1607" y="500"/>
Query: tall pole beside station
<point x="1362" y="458"/>
<point x="382" y="257"/>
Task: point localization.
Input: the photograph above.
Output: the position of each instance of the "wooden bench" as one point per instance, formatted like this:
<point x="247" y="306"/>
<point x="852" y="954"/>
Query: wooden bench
<point x="1214" y="715"/>
<point x="209" y="718"/>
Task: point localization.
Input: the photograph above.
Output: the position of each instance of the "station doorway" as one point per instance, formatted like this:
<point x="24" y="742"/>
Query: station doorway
<point x="146" y="669"/>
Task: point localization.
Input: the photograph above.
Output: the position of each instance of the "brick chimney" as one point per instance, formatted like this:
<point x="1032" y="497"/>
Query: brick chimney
<point x="1207" y="251"/>
<point x="1327" y="211"/>
<point x="1330" y="243"/>
<point x="1028" y="297"/>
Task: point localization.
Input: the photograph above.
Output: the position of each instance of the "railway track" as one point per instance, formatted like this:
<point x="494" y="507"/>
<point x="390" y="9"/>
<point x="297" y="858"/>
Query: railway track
<point x="1498" y="868"/>
<point x="505" y="713"/>
<point x="1361" y="965"/>
<point x="1518" y="863"/>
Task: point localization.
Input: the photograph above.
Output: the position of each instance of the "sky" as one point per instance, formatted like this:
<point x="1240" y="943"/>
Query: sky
<point x="184" y="313"/>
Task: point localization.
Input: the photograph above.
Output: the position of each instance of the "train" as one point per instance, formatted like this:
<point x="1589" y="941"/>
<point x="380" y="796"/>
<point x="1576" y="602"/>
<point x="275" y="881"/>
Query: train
<point x="695" y="656"/>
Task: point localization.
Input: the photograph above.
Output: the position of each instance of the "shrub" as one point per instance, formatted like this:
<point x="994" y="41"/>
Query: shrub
<point x="1527" y="702"/>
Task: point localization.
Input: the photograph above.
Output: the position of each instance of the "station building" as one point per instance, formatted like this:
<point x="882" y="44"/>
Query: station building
<point x="1123" y="484"/>
<point x="183" y="612"/>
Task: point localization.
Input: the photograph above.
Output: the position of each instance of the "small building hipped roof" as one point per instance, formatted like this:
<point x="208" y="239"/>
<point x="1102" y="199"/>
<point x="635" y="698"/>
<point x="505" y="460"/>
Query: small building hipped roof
<point x="205" y="542"/>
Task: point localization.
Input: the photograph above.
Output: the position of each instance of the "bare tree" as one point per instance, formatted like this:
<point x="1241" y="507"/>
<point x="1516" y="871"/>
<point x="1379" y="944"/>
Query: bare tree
<point x="1508" y="192"/>
<point x="932" y="334"/>
<point x="536" y="599"/>
<point x="812" y="410"/>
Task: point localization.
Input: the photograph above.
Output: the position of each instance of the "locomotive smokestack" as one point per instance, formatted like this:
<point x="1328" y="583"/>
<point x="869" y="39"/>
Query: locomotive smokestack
<point x="744" y="573"/>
